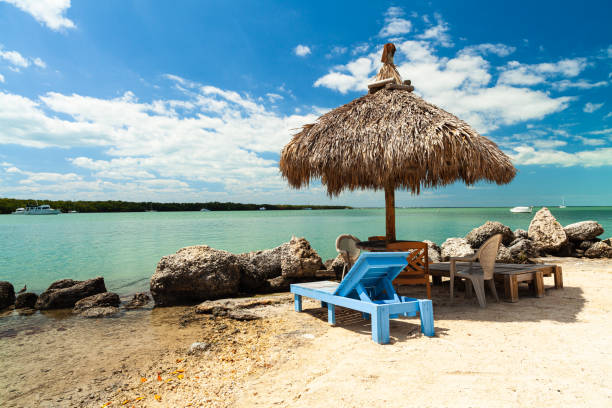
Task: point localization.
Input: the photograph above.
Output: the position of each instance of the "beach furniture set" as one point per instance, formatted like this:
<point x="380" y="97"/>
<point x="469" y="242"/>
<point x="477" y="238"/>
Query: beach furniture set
<point x="368" y="286"/>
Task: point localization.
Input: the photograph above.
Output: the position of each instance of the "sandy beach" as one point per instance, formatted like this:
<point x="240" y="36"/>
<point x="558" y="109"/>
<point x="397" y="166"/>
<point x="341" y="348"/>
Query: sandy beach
<point x="552" y="351"/>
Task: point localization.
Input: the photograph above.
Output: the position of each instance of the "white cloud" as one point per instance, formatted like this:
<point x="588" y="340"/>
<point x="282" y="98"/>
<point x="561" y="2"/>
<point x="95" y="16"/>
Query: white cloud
<point x="15" y="58"/>
<point x="394" y="23"/>
<point x="1" y="78"/>
<point x="527" y="155"/>
<point x="515" y="73"/>
<point x="609" y="51"/>
<point x="337" y="50"/>
<point x="588" y="141"/>
<point x="210" y="136"/>
<point x="39" y="63"/>
<point x="608" y="115"/>
<point x="460" y="85"/>
<point x="437" y="33"/>
<point x="17" y="61"/>
<point x="48" y="12"/>
<point x="302" y="50"/>
<point x="578" y="84"/>
<point x="591" y="107"/>
<point x="501" y="50"/>
<point x="274" y="97"/>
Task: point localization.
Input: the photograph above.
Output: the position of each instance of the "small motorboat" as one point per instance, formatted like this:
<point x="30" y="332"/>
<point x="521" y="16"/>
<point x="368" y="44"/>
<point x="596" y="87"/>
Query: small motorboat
<point x="521" y="209"/>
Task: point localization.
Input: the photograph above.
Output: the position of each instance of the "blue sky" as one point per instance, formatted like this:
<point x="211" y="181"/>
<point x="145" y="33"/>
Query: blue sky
<point x="193" y="100"/>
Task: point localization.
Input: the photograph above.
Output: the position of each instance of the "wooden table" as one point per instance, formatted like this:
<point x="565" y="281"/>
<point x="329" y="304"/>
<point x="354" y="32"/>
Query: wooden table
<point x="511" y="275"/>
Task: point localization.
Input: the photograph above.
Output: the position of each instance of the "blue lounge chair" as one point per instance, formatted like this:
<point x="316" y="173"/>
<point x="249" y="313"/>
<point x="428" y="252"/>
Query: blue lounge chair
<point x="368" y="289"/>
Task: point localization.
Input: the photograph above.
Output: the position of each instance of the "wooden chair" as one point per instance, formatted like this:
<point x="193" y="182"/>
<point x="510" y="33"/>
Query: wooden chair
<point x="377" y="238"/>
<point x="485" y="256"/>
<point x="417" y="270"/>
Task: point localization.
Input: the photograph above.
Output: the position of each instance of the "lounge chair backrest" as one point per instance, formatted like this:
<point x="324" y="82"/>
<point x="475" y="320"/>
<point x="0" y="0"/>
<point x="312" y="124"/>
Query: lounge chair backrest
<point x="346" y="246"/>
<point x="487" y="253"/>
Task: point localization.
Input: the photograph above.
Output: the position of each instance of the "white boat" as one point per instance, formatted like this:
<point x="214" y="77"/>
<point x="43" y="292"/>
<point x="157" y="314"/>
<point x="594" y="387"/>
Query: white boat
<point x="44" y="209"/>
<point x="262" y="208"/>
<point x="562" y="203"/>
<point x="204" y="210"/>
<point x="521" y="209"/>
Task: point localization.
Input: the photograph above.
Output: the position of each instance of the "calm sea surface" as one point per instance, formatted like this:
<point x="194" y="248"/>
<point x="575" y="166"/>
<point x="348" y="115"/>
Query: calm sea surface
<point x="125" y="247"/>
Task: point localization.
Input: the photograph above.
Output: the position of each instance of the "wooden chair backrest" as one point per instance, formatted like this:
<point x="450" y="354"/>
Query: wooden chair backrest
<point x="377" y="238"/>
<point x="417" y="270"/>
<point x="487" y="253"/>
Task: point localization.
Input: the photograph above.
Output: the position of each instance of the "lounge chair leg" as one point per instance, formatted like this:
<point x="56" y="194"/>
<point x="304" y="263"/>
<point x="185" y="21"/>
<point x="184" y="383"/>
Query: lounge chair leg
<point x="426" y="314"/>
<point x="297" y="299"/>
<point x="380" y="325"/>
<point x="331" y="313"/>
<point x="478" y="284"/>
<point x="492" y="287"/>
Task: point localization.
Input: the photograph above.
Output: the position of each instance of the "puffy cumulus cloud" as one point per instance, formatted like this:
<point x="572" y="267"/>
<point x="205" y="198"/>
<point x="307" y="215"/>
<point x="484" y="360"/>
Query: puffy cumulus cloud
<point x="211" y="136"/>
<point x="515" y="73"/>
<point x="1" y="78"/>
<point x="48" y="12"/>
<point x="528" y="155"/>
<point x="395" y="24"/>
<point x="591" y="107"/>
<point x="302" y="50"/>
<point x="461" y="84"/>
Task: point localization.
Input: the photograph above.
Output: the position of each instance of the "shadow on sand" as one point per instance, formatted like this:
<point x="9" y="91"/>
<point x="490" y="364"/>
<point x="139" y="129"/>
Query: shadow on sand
<point x="559" y="305"/>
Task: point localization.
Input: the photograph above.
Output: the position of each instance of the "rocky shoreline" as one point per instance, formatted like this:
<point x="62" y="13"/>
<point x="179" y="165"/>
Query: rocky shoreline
<point x="200" y="273"/>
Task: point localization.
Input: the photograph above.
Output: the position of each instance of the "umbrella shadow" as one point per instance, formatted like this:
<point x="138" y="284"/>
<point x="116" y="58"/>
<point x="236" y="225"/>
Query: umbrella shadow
<point x="560" y="305"/>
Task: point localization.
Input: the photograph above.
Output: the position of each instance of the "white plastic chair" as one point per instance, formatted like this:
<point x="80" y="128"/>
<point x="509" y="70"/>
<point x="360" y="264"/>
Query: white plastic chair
<point x="347" y="248"/>
<point x="485" y="256"/>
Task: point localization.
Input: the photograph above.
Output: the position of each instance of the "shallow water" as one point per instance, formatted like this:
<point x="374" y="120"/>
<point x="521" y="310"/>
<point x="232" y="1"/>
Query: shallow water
<point x="125" y="247"/>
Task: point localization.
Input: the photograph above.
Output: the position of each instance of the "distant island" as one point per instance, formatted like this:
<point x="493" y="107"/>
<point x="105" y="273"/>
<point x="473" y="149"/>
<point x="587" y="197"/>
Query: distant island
<point x="8" y="205"/>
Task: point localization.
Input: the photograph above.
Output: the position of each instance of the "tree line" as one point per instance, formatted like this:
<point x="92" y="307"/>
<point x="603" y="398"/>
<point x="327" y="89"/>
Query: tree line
<point x="8" y="205"/>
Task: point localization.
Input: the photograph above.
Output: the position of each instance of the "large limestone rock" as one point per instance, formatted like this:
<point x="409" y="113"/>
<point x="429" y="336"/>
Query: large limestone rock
<point x="599" y="250"/>
<point x="520" y="233"/>
<point x="194" y="274"/>
<point x="7" y="294"/>
<point x="433" y="252"/>
<point x="504" y="255"/>
<point x="521" y="250"/>
<point x="138" y="300"/>
<point x="583" y="231"/>
<point x="299" y="260"/>
<point x="479" y="235"/>
<point x="106" y="299"/>
<point x="293" y="259"/>
<point x="26" y="300"/>
<point x="65" y="293"/>
<point x="455" y="247"/>
<point x="546" y="232"/>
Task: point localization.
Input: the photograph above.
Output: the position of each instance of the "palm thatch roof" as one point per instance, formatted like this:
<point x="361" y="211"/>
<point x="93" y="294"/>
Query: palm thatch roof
<point x="391" y="138"/>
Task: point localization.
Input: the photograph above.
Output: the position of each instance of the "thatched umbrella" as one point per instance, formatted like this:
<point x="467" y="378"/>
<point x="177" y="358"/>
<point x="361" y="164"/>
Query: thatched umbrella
<point x="388" y="139"/>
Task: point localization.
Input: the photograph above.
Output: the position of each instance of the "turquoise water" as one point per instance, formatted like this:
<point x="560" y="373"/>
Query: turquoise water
<point x="125" y="247"/>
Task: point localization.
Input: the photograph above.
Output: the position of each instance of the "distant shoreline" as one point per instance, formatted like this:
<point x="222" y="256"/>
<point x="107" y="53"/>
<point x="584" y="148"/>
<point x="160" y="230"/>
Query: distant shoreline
<point x="8" y="205"/>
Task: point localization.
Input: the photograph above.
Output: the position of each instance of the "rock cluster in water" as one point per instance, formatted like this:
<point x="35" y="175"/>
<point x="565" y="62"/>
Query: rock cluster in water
<point x="197" y="273"/>
<point x="545" y="236"/>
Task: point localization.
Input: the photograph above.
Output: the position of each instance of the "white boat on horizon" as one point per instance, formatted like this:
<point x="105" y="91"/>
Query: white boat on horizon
<point x="562" y="203"/>
<point x="204" y="210"/>
<point x="44" y="209"/>
<point x="521" y="209"/>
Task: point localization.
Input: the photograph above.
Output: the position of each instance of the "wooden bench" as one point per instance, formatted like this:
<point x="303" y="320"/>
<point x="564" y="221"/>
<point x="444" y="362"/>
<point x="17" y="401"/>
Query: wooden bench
<point x="511" y="275"/>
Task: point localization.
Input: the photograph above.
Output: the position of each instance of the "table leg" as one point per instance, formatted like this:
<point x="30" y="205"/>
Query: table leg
<point x="558" y="277"/>
<point x="538" y="281"/>
<point x="510" y="288"/>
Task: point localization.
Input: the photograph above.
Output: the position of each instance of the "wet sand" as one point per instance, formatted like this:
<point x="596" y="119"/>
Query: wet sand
<point x="553" y="351"/>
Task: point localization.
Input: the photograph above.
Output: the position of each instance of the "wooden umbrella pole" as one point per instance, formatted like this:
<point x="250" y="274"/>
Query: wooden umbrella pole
<point x="390" y="212"/>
